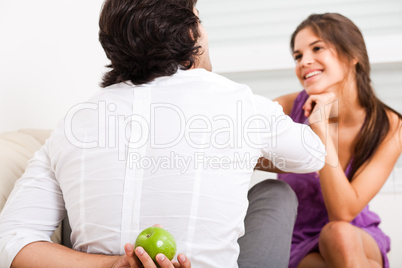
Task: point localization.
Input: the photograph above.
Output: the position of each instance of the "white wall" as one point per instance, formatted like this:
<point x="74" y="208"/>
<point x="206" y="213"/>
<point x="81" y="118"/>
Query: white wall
<point x="50" y="59"/>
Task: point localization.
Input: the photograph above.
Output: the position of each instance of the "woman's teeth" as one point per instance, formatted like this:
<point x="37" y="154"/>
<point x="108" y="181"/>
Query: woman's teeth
<point x="312" y="74"/>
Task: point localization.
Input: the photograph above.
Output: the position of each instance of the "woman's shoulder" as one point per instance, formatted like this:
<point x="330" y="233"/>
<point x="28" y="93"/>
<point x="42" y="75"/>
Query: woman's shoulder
<point x="395" y="126"/>
<point x="287" y="101"/>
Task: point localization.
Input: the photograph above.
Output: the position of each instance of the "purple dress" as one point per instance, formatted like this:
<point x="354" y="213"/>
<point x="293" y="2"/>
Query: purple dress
<point x="312" y="214"/>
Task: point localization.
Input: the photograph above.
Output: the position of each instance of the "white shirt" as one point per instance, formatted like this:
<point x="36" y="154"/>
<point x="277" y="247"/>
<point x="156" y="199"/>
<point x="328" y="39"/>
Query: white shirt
<point x="178" y="151"/>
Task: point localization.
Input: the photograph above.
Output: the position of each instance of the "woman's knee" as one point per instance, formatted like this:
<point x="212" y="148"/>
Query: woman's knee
<point x="338" y="234"/>
<point x="344" y="243"/>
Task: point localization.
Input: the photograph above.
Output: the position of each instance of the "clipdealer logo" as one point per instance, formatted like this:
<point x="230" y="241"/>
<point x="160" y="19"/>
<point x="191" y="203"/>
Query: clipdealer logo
<point x="238" y="129"/>
<point x="113" y="128"/>
<point x="200" y="160"/>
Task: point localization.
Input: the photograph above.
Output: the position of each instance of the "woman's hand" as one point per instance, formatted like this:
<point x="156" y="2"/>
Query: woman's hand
<point x="139" y="258"/>
<point x="319" y="109"/>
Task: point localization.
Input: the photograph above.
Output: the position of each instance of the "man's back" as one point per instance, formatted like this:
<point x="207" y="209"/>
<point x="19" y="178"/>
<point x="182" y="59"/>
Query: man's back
<point x="134" y="156"/>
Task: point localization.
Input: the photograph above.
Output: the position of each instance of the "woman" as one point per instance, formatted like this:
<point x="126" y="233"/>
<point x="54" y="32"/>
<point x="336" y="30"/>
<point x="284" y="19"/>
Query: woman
<point x="334" y="226"/>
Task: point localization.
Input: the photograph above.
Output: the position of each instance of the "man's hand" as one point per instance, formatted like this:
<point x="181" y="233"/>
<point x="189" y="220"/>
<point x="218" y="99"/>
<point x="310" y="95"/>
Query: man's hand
<point x="140" y="258"/>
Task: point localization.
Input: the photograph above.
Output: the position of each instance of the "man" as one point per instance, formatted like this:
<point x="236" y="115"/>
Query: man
<point x="166" y="141"/>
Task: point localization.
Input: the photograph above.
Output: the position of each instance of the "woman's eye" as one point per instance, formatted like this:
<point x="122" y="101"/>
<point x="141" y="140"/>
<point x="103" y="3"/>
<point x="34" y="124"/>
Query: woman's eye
<point x="315" y="49"/>
<point x="297" y="57"/>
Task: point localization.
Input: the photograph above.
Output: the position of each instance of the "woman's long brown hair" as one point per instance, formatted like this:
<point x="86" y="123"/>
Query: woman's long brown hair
<point x="348" y="41"/>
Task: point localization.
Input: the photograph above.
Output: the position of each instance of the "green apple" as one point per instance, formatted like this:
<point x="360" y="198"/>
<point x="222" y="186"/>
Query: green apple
<point x="156" y="240"/>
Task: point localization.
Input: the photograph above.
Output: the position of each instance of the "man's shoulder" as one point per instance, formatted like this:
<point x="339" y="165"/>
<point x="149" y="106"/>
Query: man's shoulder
<point x="204" y="76"/>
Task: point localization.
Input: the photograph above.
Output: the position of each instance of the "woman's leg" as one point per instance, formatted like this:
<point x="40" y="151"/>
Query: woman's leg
<point x="343" y="245"/>
<point x="268" y="225"/>
<point x="312" y="260"/>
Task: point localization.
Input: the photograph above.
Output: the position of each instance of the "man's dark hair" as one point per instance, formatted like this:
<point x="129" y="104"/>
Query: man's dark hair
<point x="146" y="39"/>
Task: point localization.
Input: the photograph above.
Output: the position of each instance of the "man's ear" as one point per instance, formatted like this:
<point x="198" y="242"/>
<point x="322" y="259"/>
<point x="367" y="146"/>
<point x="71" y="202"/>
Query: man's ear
<point x="192" y="34"/>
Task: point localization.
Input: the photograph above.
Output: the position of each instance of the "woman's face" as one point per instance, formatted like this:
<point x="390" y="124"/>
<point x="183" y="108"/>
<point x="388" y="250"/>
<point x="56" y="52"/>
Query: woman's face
<point x="318" y="66"/>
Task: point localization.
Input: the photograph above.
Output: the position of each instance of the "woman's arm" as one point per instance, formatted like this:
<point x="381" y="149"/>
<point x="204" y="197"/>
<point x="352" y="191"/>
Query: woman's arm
<point x="344" y="200"/>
